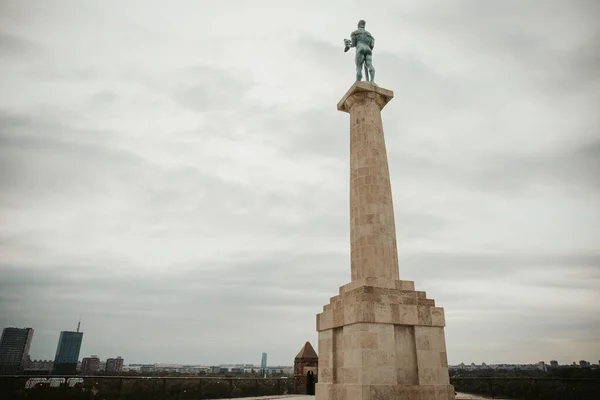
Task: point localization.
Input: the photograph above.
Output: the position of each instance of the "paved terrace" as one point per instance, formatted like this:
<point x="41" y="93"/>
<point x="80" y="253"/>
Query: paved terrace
<point x="460" y="396"/>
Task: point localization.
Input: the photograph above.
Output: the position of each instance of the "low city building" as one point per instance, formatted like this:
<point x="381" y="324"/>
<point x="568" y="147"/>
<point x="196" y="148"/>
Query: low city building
<point x="90" y="365"/>
<point x="38" y="367"/>
<point x="114" y="364"/>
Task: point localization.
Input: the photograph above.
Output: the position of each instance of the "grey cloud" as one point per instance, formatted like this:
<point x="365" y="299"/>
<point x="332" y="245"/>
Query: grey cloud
<point x="496" y="263"/>
<point x="20" y="129"/>
<point x="578" y="278"/>
<point x="323" y="53"/>
<point x="105" y="97"/>
<point x="12" y="45"/>
<point x="62" y="72"/>
<point x="184" y="195"/>
<point x="495" y="31"/>
<point x="572" y="167"/>
<point x="207" y="89"/>
<point x="40" y="155"/>
<point x="178" y="233"/>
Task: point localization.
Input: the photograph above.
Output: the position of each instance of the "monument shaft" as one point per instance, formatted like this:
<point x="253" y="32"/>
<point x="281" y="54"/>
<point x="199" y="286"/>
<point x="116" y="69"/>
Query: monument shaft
<point x="379" y="338"/>
<point x="373" y="249"/>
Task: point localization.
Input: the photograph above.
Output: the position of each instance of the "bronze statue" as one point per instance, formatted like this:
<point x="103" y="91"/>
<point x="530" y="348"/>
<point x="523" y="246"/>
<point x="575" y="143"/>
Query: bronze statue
<point x="364" y="43"/>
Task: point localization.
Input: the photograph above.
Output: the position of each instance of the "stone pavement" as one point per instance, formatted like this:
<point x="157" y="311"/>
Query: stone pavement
<point x="287" y="397"/>
<point x="303" y="397"/>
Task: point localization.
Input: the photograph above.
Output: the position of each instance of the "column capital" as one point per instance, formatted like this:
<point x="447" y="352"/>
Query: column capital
<point x="364" y="90"/>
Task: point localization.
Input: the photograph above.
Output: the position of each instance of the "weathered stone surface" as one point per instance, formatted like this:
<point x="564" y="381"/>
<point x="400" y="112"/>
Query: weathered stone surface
<point x="379" y="338"/>
<point x="386" y="95"/>
<point x="382" y="341"/>
<point x="373" y="249"/>
<point x="379" y="304"/>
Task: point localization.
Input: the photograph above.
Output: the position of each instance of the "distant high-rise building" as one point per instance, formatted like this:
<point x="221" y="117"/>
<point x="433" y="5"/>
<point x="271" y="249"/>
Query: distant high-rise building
<point x="14" y="349"/>
<point x="554" y="364"/>
<point x="263" y="361"/>
<point x="90" y="365"/>
<point x="67" y="352"/>
<point x="114" y="364"/>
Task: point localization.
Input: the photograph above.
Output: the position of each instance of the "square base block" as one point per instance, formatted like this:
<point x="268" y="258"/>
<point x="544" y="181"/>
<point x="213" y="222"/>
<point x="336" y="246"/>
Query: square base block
<point x="382" y="339"/>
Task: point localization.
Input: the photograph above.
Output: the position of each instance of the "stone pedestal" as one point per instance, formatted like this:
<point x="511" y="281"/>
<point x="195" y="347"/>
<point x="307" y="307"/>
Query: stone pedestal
<point x="379" y="338"/>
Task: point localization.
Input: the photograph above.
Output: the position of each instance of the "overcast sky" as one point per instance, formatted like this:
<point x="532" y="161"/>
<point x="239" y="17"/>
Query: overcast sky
<point x="176" y="173"/>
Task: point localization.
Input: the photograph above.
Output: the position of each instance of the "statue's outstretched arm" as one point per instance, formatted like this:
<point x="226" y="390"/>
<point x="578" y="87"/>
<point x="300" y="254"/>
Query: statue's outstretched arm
<point x="347" y="44"/>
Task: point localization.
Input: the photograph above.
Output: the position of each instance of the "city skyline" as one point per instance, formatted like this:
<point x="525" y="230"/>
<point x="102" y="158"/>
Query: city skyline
<point x="190" y="202"/>
<point x="263" y="362"/>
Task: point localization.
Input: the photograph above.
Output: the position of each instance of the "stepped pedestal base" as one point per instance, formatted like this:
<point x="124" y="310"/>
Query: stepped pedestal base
<point x="381" y="339"/>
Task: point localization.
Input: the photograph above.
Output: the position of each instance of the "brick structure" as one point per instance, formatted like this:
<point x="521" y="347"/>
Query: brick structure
<point x="90" y="365"/>
<point x="114" y="364"/>
<point x="305" y="363"/>
<point x="379" y="338"/>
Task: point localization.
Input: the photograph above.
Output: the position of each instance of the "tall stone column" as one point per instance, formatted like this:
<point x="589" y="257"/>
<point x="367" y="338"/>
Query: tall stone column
<point x="373" y="250"/>
<point x="378" y="338"/>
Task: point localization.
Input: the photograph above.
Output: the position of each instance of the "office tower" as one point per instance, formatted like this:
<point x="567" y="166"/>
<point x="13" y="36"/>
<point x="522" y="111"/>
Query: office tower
<point x="67" y="352"/>
<point x="114" y="364"/>
<point x="263" y="361"/>
<point x="14" y="349"/>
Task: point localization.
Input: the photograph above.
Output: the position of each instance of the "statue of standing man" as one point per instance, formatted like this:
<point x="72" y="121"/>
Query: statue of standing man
<point x="364" y="43"/>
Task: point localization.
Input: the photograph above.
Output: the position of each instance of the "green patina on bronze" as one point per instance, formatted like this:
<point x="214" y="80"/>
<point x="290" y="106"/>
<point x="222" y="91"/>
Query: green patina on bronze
<point x="364" y="43"/>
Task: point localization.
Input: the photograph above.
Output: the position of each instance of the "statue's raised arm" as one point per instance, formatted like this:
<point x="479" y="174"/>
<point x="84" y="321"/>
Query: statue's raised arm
<point x="347" y="44"/>
<point x="364" y="43"/>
